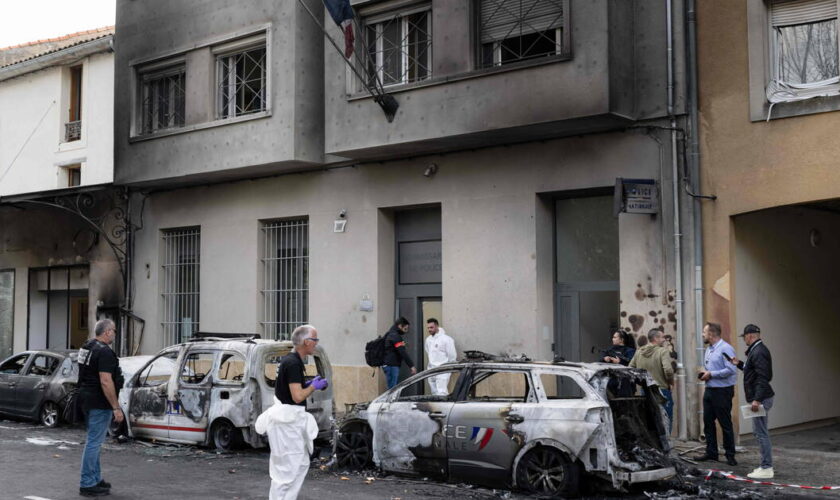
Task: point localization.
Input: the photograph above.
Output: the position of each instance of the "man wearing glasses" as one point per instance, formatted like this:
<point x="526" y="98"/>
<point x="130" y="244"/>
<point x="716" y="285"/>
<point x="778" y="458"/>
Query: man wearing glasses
<point x="99" y="376"/>
<point x="290" y="429"/>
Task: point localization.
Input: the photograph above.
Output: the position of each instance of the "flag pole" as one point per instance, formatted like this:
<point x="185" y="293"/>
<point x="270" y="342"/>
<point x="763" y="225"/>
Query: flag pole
<point x="386" y="101"/>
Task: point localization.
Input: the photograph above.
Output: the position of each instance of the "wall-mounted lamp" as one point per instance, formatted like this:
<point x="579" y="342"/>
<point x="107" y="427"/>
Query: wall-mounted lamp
<point x="341" y="222"/>
<point x="431" y="170"/>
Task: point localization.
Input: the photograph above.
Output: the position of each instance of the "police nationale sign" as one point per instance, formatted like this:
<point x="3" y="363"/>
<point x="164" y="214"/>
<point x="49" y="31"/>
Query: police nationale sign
<point x="636" y="196"/>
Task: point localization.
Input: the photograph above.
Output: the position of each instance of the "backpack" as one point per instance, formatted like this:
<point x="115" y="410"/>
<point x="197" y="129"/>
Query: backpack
<point x="375" y="351"/>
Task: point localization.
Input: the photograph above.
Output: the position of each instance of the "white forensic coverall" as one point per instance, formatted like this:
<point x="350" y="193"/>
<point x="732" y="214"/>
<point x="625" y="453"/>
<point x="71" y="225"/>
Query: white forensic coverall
<point x="441" y="349"/>
<point x="291" y="435"/>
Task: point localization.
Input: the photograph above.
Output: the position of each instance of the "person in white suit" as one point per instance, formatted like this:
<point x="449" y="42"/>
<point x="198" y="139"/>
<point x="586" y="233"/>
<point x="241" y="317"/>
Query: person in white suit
<point x="440" y="348"/>
<point x="291" y="430"/>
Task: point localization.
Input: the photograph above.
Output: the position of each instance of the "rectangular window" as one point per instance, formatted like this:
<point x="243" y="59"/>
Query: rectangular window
<point x="180" y="283"/>
<point x="242" y="79"/>
<point x="162" y="98"/>
<point x="73" y="126"/>
<point x="515" y="31"/>
<point x="70" y="175"/>
<point x="804" y="42"/>
<point x="399" y="46"/>
<point x="7" y="311"/>
<point x="285" y="265"/>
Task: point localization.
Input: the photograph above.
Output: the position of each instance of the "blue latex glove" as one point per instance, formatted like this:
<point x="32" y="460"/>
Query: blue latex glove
<point x="319" y="383"/>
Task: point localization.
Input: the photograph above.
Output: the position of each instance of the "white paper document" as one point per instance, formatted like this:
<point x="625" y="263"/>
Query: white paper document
<point x="746" y="411"/>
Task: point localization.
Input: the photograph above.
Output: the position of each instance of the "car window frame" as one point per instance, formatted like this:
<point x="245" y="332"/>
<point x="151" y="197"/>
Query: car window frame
<point x="218" y="366"/>
<point x="587" y="389"/>
<point x="25" y="364"/>
<point x="422" y="377"/>
<point x="208" y="377"/>
<point x="31" y="362"/>
<point x="139" y="373"/>
<point x="532" y="396"/>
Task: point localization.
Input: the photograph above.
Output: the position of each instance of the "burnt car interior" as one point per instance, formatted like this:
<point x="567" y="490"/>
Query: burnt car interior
<point x="414" y="392"/>
<point x="311" y="368"/>
<point x="638" y="426"/>
<point x="14" y="365"/>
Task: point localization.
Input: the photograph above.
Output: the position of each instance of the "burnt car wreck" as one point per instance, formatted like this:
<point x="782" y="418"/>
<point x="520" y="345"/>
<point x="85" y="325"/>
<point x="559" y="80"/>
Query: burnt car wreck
<point x="538" y="427"/>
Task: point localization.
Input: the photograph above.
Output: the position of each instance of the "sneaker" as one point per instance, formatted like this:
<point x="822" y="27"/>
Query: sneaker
<point x="104" y="484"/>
<point x="94" y="491"/>
<point x="761" y="473"/>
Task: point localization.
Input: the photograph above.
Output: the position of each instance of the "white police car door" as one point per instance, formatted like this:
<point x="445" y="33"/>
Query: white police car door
<point x="147" y="405"/>
<point x="188" y="413"/>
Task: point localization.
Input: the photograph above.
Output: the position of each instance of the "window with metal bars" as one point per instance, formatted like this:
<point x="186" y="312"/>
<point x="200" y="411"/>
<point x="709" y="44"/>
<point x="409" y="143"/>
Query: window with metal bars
<point x="399" y="46"/>
<point x="517" y="30"/>
<point x="242" y="82"/>
<point x="180" y="282"/>
<point x="285" y="280"/>
<point x="163" y="99"/>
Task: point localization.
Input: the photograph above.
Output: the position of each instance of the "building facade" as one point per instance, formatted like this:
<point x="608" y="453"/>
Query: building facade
<point x="56" y="199"/>
<point x="275" y="191"/>
<point x="769" y="94"/>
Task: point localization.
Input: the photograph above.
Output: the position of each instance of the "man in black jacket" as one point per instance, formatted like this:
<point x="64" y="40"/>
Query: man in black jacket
<point x="758" y="372"/>
<point x="395" y="352"/>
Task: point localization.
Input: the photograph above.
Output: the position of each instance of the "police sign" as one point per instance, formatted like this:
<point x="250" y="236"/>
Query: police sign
<point x="636" y="196"/>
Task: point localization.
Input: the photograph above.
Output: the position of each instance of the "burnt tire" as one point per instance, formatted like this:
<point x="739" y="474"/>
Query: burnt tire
<point x="49" y="416"/>
<point x="224" y="436"/>
<point x="548" y="472"/>
<point x="353" y="450"/>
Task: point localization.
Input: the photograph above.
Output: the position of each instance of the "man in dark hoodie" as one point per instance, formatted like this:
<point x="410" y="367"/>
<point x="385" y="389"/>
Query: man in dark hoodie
<point x="657" y="361"/>
<point x="395" y="352"/>
<point x="758" y="372"/>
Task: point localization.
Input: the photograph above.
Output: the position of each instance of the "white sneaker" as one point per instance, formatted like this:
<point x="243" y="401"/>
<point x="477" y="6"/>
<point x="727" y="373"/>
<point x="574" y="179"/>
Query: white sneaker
<point x="761" y="473"/>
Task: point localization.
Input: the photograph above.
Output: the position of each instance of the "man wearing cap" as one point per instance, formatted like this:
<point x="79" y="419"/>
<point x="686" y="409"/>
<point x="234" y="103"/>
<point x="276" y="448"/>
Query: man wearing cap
<point x="720" y="377"/>
<point x="758" y="372"/>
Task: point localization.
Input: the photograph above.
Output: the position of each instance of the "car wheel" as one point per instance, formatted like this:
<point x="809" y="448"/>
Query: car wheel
<point x="353" y="450"/>
<point x="49" y="414"/>
<point x="546" y="471"/>
<point x="225" y="436"/>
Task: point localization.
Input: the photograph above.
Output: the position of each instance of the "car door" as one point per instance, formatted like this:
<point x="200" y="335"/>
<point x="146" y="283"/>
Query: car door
<point x="188" y="416"/>
<point x="147" y="405"/>
<point x="10" y="372"/>
<point x="32" y="385"/>
<point x="319" y="404"/>
<point x="479" y="439"/>
<point x="410" y="427"/>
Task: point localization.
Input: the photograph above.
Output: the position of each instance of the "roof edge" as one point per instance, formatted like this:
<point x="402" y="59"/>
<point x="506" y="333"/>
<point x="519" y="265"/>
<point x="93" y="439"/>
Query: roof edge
<point x="58" y="57"/>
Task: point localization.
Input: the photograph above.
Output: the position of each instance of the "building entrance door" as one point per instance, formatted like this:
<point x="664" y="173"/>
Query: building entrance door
<point x="418" y="281"/>
<point x="587" y="276"/>
<point x="58" y="307"/>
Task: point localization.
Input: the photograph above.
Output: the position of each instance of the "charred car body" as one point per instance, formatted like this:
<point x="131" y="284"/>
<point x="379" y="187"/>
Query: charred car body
<point x="210" y="391"/>
<point x="35" y="384"/>
<point x="532" y="426"/>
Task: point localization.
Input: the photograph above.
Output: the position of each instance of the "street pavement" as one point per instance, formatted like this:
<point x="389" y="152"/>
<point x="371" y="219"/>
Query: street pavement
<point x="38" y="463"/>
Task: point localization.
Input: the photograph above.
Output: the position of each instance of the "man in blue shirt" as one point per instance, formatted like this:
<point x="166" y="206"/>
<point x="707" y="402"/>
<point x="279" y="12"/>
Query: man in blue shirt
<point x="720" y="377"/>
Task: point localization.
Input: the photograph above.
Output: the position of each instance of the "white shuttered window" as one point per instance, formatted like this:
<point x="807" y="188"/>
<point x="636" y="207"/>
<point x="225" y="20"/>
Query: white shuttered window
<point x="516" y="30"/>
<point x="804" y="42"/>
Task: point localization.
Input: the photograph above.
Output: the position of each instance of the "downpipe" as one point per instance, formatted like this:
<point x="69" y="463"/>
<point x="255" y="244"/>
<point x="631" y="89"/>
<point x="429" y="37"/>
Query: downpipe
<point x="682" y="409"/>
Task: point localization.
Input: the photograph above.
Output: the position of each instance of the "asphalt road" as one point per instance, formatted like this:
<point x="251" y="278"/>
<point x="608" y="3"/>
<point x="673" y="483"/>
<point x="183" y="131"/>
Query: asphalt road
<point x="38" y="463"/>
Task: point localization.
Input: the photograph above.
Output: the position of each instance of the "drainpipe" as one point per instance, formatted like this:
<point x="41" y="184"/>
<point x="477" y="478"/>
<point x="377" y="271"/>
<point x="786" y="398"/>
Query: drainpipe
<point x="679" y="302"/>
<point x="693" y="158"/>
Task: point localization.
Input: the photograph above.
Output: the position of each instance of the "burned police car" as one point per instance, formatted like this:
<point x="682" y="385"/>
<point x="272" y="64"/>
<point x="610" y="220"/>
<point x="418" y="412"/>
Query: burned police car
<point x="534" y="426"/>
<point x="210" y="391"/>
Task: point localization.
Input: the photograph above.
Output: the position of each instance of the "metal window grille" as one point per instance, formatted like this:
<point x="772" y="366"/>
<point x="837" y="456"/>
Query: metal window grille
<point x="73" y="131"/>
<point x="163" y="99"/>
<point x="517" y="30"/>
<point x="242" y="82"/>
<point x="285" y="266"/>
<point x="180" y="277"/>
<point x="399" y="48"/>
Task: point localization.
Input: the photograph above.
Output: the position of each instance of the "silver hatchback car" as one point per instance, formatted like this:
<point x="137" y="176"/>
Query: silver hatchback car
<point x="35" y="384"/>
<point x="210" y="391"/>
<point x="534" y="426"/>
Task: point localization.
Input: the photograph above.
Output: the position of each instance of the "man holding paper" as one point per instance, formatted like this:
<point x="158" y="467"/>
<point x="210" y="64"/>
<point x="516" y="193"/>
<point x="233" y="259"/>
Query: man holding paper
<point x="758" y="372"/>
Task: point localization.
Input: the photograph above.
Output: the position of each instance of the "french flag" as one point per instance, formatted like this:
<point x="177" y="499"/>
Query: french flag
<point x="481" y="436"/>
<point x="342" y="14"/>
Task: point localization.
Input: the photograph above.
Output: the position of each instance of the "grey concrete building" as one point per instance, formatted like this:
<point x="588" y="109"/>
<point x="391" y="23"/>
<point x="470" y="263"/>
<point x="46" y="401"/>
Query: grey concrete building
<point x="275" y="192"/>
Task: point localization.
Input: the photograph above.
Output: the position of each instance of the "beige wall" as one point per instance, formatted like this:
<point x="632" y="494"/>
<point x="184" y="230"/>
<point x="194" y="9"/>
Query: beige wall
<point x="749" y="165"/>
<point x="495" y="228"/>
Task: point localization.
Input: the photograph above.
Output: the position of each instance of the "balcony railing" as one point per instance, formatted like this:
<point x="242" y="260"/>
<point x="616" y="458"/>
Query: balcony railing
<point x="73" y="131"/>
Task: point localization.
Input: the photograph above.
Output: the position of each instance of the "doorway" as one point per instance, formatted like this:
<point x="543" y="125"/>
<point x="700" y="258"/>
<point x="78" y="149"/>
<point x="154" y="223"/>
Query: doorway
<point x="587" y="275"/>
<point x="53" y="321"/>
<point x="418" y="276"/>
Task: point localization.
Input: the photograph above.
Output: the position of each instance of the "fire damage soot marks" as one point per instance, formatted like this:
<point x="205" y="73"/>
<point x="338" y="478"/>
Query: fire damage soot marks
<point x="585" y="427"/>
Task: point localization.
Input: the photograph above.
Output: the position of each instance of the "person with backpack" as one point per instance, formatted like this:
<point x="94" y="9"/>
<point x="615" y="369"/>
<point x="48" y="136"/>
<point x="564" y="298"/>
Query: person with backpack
<point x="395" y="352"/>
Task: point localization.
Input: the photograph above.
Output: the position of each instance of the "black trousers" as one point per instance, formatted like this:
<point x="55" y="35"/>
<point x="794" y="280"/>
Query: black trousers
<point x="717" y="405"/>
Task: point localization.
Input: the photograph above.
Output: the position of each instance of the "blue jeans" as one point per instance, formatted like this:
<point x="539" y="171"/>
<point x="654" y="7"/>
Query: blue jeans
<point x="97" y="428"/>
<point x="669" y="407"/>
<point x="763" y="436"/>
<point x="392" y="375"/>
